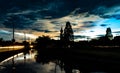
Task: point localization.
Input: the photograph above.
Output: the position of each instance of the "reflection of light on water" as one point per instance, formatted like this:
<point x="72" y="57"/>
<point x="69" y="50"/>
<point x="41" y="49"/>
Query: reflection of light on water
<point x="10" y="58"/>
<point x="50" y="68"/>
<point x="97" y="72"/>
<point x="78" y="71"/>
<point x="31" y="56"/>
<point x="11" y="47"/>
<point x="31" y="64"/>
<point x="75" y="71"/>
<point x="31" y="46"/>
<point x="27" y="57"/>
<point x="19" y="56"/>
<point x="6" y="47"/>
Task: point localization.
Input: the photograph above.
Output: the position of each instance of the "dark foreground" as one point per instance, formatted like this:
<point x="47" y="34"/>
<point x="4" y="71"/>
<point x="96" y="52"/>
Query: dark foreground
<point x="65" y="60"/>
<point x="27" y="64"/>
<point x="86" y="59"/>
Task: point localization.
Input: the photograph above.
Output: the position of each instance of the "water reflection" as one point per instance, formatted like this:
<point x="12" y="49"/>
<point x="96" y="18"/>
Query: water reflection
<point x="67" y="65"/>
<point x="28" y="66"/>
<point x="34" y="63"/>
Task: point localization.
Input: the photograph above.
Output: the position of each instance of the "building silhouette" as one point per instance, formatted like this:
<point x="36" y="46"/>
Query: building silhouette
<point x="66" y="35"/>
<point x="61" y="34"/>
<point x="109" y="34"/>
<point x="68" y="32"/>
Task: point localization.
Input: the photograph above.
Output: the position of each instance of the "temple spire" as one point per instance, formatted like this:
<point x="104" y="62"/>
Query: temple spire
<point x="61" y="33"/>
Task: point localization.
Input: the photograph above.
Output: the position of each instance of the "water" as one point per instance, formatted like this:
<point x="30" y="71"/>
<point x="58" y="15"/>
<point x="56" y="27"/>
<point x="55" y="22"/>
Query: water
<point x="27" y="64"/>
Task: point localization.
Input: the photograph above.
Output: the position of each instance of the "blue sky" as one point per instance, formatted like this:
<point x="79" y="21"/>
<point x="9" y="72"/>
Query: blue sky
<point x="89" y="18"/>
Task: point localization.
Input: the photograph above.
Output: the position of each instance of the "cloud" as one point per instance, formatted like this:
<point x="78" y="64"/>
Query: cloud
<point x="108" y="11"/>
<point x="116" y="32"/>
<point x="45" y="31"/>
<point x="24" y="12"/>
<point x="19" y="36"/>
<point x="103" y="25"/>
<point x="88" y="24"/>
<point x="53" y="26"/>
<point x="102" y="35"/>
<point x="92" y="31"/>
<point x="6" y="35"/>
<point x="80" y="36"/>
<point x="45" y="17"/>
<point x="4" y="32"/>
<point x="19" y="22"/>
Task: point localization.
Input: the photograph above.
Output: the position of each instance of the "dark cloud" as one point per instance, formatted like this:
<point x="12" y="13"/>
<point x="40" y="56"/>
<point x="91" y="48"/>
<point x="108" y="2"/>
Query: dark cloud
<point x="25" y="13"/>
<point x="102" y="35"/>
<point x="103" y="25"/>
<point x="116" y="32"/>
<point x="20" y="22"/>
<point x="40" y="30"/>
<point x="103" y="6"/>
<point x="80" y="36"/>
<point x="106" y="16"/>
<point x="37" y="29"/>
<point x="74" y="24"/>
<point x="55" y="22"/>
<point x="88" y="24"/>
<point x="92" y="31"/>
<point x="116" y="16"/>
<point x="47" y="31"/>
<point x="55" y="5"/>
<point x="52" y="8"/>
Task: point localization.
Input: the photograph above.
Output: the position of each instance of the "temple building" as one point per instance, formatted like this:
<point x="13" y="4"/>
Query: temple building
<point x="66" y="35"/>
<point x="109" y="34"/>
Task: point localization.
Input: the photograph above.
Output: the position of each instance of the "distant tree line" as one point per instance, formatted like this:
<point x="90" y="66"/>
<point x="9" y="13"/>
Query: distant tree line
<point x="10" y="42"/>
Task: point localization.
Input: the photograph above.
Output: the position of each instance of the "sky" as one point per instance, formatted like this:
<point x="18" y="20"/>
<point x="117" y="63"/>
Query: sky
<point x="33" y="18"/>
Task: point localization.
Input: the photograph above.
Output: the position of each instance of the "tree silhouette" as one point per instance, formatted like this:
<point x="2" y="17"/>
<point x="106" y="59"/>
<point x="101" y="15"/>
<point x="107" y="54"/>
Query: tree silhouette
<point x="42" y="42"/>
<point x="1" y="41"/>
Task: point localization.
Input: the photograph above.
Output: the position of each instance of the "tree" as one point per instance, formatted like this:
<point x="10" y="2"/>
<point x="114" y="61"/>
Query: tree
<point x="1" y="41"/>
<point x="42" y="42"/>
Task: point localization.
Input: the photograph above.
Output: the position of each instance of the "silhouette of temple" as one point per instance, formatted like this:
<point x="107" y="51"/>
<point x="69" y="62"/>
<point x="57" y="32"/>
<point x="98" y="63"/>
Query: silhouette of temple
<point x="61" y="34"/>
<point x="109" y="34"/>
<point x="66" y="35"/>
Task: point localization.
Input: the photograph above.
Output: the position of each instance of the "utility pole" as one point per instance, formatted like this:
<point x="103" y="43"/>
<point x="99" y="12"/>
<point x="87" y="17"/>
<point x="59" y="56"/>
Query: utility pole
<point x="13" y="41"/>
<point x="24" y="37"/>
<point x="25" y="47"/>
